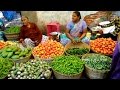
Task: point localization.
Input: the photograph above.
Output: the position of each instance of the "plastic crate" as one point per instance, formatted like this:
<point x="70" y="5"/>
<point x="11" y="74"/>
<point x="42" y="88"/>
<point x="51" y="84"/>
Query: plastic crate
<point x="53" y="27"/>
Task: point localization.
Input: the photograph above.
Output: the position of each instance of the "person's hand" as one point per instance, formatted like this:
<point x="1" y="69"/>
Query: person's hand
<point x="23" y="43"/>
<point x="79" y="40"/>
<point x="100" y="31"/>
<point x="50" y="38"/>
<point x="21" y="40"/>
<point x="36" y="43"/>
<point x="73" y="41"/>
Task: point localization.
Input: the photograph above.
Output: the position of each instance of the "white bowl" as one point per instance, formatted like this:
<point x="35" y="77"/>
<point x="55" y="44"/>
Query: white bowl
<point x="108" y="29"/>
<point x="54" y="33"/>
<point x="97" y="28"/>
<point x="104" y="23"/>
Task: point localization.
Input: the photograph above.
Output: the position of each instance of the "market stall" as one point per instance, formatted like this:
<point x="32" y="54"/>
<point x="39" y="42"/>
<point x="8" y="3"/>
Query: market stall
<point x="51" y="60"/>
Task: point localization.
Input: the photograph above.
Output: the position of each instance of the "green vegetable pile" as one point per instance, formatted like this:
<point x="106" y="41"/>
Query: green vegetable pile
<point x="98" y="62"/>
<point x="34" y="69"/>
<point x="12" y="30"/>
<point x="67" y="65"/>
<point x="5" y="67"/>
<point x="77" y="51"/>
<point x="14" y="52"/>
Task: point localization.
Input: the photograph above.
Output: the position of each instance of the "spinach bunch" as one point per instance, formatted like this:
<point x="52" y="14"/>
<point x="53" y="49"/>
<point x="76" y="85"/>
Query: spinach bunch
<point x="77" y="51"/>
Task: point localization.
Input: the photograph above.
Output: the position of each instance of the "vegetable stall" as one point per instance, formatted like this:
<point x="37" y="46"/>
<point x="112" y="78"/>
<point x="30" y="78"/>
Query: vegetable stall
<point x="51" y="60"/>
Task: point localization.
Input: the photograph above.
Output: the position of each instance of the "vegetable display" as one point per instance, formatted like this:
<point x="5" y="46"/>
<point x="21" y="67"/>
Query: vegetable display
<point x="12" y="30"/>
<point x="5" y="67"/>
<point x="34" y="69"/>
<point x="77" y="51"/>
<point x="103" y="45"/>
<point x="2" y="44"/>
<point x="98" y="61"/>
<point x="67" y="65"/>
<point x="48" y="49"/>
<point x="14" y="52"/>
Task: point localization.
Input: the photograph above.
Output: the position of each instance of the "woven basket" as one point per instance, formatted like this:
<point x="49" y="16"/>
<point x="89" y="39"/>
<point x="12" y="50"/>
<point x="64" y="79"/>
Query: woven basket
<point x="95" y="74"/>
<point x="77" y="45"/>
<point x="14" y="36"/>
<point x="61" y="76"/>
<point x="22" y="60"/>
<point x="46" y="60"/>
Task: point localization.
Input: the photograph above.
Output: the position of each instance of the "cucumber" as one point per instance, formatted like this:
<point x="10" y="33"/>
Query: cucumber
<point x="9" y="50"/>
<point x="17" y="53"/>
<point x="26" y="51"/>
<point x="1" y="51"/>
<point x="4" y="54"/>
<point x="21" y="57"/>
<point x="15" y="49"/>
<point x="9" y="54"/>
<point x="21" y="54"/>
<point x="15" y="57"/>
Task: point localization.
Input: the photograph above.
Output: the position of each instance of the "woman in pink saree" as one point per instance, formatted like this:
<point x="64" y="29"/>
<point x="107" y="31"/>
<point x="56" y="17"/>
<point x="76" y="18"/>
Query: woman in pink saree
<point x="77" y="28"/>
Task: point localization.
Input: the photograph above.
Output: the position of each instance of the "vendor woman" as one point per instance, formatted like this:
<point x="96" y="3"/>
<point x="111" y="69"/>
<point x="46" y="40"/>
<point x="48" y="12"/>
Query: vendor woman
<point x="30" y="35"/>
<point x="76" y="28"/>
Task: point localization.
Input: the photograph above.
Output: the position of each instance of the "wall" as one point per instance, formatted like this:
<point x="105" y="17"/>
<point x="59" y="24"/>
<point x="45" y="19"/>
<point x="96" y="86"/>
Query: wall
<point x="42" y="18"/>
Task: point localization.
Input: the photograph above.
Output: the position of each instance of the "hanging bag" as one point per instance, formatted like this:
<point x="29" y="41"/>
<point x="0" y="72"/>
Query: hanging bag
<point x="9" y="15"/>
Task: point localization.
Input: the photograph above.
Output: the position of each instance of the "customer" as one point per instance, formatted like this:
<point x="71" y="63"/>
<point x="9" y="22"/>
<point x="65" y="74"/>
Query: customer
<point x="76" y="28"/>
<point x="30" y="35"/>
<point x="115" y="67"/>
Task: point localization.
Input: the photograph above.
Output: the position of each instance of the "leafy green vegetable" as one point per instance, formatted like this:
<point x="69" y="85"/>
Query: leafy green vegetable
<point x="68" y="65"/>
<point x="98" y="62"/>
<point x="13" y="29"/>
<point x="5" y="66"/>
<point x="77" y="51"/>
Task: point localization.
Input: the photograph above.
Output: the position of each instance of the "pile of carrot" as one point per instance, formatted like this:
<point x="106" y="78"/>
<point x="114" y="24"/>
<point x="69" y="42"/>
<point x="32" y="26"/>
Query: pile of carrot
<point x="2" y="44"/>
<point x="103" y="45"/>
<point x="48" y="49"/>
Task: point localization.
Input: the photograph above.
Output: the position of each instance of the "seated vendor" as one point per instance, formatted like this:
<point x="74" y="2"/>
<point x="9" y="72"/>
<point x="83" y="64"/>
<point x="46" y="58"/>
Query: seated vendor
<point x="30" y="35"/>
<point x="76" y="28"/>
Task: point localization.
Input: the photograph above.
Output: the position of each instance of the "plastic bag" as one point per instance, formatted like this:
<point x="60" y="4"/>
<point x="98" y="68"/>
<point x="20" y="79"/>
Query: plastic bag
<point x="9" y="15"/>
